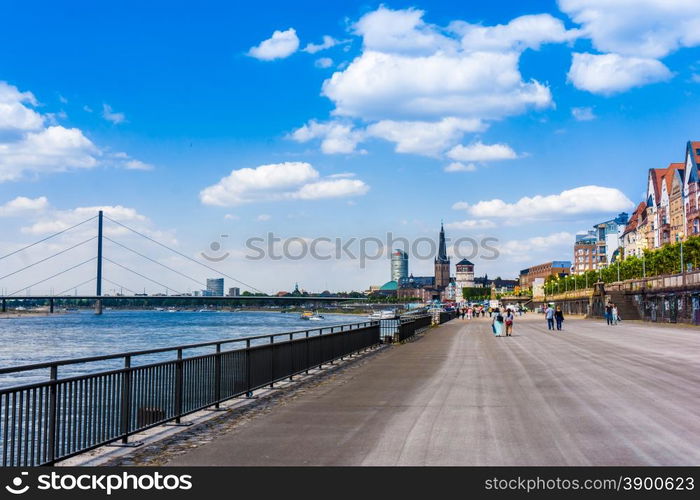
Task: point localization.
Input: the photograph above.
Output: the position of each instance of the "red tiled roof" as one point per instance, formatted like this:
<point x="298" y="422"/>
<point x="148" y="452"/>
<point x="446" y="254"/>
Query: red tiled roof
<point x="670" y="172"/>
<point x="634" y="220"/>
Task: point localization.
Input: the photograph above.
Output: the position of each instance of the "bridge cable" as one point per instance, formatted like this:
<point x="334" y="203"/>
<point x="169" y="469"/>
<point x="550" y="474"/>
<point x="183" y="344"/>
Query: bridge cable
<point x="47" y="238"/>
<point x="51" y="277"/>
<point x="155" y="261"/>
<point x="184" y="255"/>
<point x="47" y="258"/>
<point x="139" y="274"/>
<point x="75" y="286"/>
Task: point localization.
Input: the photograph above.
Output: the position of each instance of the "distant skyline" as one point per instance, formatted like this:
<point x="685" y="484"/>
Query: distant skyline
<point x="205" y="126"/>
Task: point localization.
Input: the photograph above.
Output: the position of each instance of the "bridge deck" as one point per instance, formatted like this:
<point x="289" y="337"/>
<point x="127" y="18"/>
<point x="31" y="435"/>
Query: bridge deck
<point x="590" y="395"/>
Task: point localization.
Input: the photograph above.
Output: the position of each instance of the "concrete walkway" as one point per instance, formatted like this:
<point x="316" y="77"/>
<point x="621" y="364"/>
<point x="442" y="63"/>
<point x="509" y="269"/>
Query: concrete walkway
<point x="590" y="395"/>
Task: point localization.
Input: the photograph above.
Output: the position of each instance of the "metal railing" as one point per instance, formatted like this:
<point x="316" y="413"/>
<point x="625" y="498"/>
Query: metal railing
<point x="41" y="423"/>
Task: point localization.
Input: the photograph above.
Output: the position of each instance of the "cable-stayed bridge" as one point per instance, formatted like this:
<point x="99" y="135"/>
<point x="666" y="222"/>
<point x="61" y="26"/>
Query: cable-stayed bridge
<point x="91" y="269"/>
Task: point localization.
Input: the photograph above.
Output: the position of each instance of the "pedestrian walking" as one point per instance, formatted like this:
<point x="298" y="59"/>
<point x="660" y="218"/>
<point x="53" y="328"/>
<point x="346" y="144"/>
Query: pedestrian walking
<point x="510" y="317"/>
<point x="615" y="315"/>
<point x="549" y="315"/>
<point x="497" y="322"/>
<point x="609" y="313"/>
<point x="559" y="317"/>
<point x="462" y="313"/>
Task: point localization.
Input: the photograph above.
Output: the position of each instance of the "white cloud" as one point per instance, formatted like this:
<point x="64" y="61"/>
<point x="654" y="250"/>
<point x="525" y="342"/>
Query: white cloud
<point x="608" y="74"/>
<point x="109" y="115"/>
<point x="263" y="217"/>
<point x="87" y="109"/>
<point x="53" y="149"/>
<point x="323" y="62"/>
<point x="137" y="165"/>
<point x="336" y="137"/>
<point x="479" y="151"/>
<point x="637" y="28"/>
<point x="23" y="205"/>
<point x="425" y="138"/>
<point x="231" y="217"/>
<point x="336" y="188"/>
<point x="280" y="181"/>
<point x="460" y="167"/>
<point x="424" y="86"/>
<point x="583" y="114"/>
<point x="521" y="33"/>
<point x="58" y="220"/>
<point x="483" y="85"/>
<point x="583" y="199"/>
<point x="327" y="43"/>
<point x="14" y="114"/>
<point x="524" y="249"/>
<point x="280" y="45"/>
<point x="471" y="224"/>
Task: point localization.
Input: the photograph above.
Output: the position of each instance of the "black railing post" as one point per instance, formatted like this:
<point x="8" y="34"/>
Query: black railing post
<point x="249" y="392"/>
<point x="291" y="356"/>
<point x="308" y="357"/>
<point x="217" y="376"/>
<point x="178" y="386"/>
<point x="126" y="399"/>
<point x="53" y="410"/>
<point x="272" y="361"/>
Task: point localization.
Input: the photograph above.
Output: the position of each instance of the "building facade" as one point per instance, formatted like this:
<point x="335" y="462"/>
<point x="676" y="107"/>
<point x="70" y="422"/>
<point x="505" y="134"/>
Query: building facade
<point x="585" y="252"/>
<point x="399" y="265"/>
<point x="234" y="292"/>
<point x="553" y="268"/>
<point x="215" y="287"/>
<point x="464" y="277"/>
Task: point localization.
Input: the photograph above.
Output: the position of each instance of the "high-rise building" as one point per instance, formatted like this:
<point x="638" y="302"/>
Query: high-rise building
<point x="442" y="263"/>
<point x="399" y="265"/>
<point x="215" y="287"/>
<point x="234" y="292"/>
<point x="585" y="252"/>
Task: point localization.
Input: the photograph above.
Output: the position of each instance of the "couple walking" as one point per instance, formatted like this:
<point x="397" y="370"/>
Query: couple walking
<point x="552" y="316"/>
<point x="611" y="314"/>
<point x="500" y="322"/>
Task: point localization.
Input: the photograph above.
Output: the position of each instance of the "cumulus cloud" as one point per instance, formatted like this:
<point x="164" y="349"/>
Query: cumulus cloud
<point x="481" y="152"/>
<point x="423" y="86"/>
<point x="14" y="114"/>
<point x="23" y="205"/>
<point x="583" y="114"/>
<point x="425" y="138"/>
<point x="280" y="45"/>
<point x="524" y="32"/>
<point x="637" y="28"/>
<point x="583" y="199"/>
<point x="111" y="116"/>
<point x="608" y="74"/>
<point x="32" y="143"/>
<point x="278" y="181"/>
<point x="336" y="136"/>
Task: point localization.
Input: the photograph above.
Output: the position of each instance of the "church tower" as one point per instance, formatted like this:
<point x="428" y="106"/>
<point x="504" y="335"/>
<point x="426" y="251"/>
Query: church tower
<point x="442" y="263"/>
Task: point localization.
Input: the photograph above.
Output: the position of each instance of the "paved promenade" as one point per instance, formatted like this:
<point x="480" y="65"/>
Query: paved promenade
<point x="590" y="395"/>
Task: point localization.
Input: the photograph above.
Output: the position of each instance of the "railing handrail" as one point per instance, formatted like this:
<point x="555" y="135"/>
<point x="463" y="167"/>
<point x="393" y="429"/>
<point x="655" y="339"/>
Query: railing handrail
<point x="104" y="357"/>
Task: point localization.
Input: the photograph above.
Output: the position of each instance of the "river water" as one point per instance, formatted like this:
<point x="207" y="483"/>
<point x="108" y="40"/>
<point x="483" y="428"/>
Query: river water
<point x="82" y="334"/>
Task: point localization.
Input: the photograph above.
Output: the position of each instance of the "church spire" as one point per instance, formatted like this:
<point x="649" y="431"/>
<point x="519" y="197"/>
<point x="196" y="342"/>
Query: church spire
<point x="442" y="249"/>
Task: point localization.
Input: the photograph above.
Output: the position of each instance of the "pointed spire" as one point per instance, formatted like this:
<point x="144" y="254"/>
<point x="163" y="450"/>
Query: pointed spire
<point x="442" y="250"/>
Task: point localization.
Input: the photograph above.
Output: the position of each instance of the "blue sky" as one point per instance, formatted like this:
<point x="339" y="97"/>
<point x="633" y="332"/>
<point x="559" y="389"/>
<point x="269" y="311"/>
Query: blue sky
<point x="410" y="114"/>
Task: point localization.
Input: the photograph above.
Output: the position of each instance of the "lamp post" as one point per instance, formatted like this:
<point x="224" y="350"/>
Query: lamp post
<point x="679" y="237"/>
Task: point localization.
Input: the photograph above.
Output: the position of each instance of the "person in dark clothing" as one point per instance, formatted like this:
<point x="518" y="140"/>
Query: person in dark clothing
<point x="559" y="317"/>
<point x="608" y="313"/>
